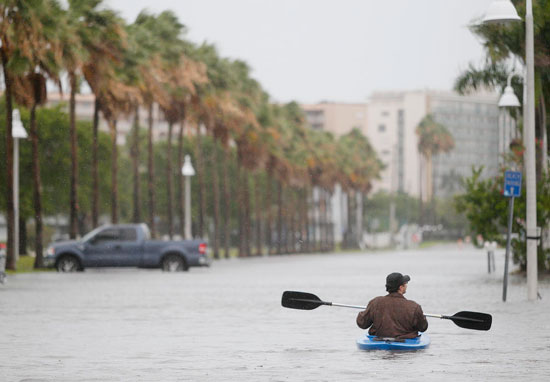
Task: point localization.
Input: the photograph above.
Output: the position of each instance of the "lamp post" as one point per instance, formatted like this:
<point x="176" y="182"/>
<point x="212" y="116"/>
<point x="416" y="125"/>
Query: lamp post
<point x="504" y="11"/>
<point x="187" y="171"/>
<point x="18" y="132"/>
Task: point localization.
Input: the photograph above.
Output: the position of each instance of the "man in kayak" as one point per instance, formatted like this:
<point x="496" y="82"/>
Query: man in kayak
<point x="393" y="315"/>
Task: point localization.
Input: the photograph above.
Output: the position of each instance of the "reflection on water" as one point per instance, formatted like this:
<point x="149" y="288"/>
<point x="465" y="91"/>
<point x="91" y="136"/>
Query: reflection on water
<point x="226" y="322"/>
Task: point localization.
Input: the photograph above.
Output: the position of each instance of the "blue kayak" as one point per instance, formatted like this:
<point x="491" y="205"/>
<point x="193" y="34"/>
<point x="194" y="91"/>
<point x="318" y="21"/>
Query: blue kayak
<point x="368" y="342"/>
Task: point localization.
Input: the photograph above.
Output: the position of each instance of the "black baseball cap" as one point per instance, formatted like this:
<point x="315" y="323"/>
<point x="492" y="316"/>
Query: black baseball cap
<point x="395" y="280"/>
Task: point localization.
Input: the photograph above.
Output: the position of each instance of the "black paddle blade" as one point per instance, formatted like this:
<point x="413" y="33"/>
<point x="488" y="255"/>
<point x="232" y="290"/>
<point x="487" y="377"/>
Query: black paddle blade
<point x="300" y="300"/>
<point x="472" y="320"/>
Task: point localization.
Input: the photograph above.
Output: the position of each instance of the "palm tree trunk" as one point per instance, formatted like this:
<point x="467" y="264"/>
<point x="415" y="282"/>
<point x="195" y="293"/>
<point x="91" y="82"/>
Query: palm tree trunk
<point x="135" y="165"/>
<point x="37" y="192"/>
<point x="241" y="212"/>
<point x="114" y="171"/>
<point x="268" y="217"/>
<point x="151" y="172"/>
<point x="73" y="222"/>
<point x="359" y="218"/>
<point x="246" y="207"/>
<point x="350" y="236"/>
<point x="279" y="217"/>
<point x="216" y="192"/>
<point x="324" y="220"/>
<point x="429" y="191"/>
<point x="180" y="194"/>
<point x="95" y="165"/>
<point x="292" y="222"/>
<point x="169" y="186"/>
<point x="314" y="221"/>
<point x="330" y="222"/>
<point x="420" y="193"/>
<point x="22" y="235"/>
<point x="305" y="221"/>
<point x="202" y="185"/>
<point x="429" y="177"/>
<point x="10" y="253"/>
<point x="227" y="199"/>
<point x="258" y="208"/>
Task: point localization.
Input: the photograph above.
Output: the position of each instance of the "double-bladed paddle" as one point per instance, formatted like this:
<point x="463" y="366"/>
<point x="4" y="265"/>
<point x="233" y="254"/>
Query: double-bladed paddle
<point x="309" y="301"/>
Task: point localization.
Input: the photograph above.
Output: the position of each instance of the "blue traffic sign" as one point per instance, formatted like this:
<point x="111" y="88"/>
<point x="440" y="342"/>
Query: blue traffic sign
<point x="512" y="184"/>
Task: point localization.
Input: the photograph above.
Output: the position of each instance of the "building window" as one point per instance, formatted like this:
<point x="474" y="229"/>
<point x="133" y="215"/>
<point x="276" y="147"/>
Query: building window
<point x="381" y="128"/>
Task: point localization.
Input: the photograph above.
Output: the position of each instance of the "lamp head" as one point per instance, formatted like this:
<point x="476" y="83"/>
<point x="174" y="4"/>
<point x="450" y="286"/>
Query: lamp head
<point x="17" y="129"/>
<point x="509" y="99"/>
<point x="187" y="169"/>
<point x="501" y="11"/>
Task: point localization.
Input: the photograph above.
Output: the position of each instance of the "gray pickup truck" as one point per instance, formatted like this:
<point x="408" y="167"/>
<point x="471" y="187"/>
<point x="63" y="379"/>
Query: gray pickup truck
<point x="125" y="245"/>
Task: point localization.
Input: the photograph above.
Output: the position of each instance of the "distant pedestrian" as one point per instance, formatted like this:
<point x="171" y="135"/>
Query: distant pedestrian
<point x="393" y="316"/>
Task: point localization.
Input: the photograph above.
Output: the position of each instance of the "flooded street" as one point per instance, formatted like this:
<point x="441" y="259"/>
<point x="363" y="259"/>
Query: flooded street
<point x="226" y="322"/>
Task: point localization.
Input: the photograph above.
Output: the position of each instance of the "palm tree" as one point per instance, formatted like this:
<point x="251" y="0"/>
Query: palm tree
<point x="154" y="35"/>
<point x="21" y="23"/>
<point x="35" y="61"/>
<point x="433" y="138"/>
<point x="360" y="165"/>
<point x="207" y="104"/>
<point x="108" y="52"/>
<point x="184" y="76"/>
<point x="118" y="98"/>
<point x="75" y="52"/>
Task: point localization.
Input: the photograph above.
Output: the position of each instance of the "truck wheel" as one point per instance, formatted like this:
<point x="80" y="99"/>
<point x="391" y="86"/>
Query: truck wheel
<point x="68" y="264"/>
<point x="173" y="263"/>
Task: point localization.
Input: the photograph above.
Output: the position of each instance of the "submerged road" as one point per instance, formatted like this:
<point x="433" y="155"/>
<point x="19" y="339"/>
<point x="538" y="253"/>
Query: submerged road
<point x="225" y="323"/>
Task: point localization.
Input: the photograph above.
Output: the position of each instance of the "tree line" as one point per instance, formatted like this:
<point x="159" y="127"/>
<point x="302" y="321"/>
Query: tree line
<point x="257" y="162"/>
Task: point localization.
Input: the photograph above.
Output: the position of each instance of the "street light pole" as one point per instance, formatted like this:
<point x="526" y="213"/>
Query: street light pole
<point x="187" y="171"/>
<point x="18" y="132"/>
<point x="504" y="11"/>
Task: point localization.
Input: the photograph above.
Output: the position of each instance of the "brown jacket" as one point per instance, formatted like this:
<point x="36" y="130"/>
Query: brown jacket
<point x="393" y="316"/>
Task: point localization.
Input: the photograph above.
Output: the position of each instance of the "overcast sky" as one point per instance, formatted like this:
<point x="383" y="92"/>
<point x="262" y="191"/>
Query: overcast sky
<point x="335" y="50"/>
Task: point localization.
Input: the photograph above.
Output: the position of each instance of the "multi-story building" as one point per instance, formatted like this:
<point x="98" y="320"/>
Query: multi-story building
<point x="392" y="121"/>
<point x="474" y="121"/>
<point x="478" y="135"/>
<point x="337" y="118"/>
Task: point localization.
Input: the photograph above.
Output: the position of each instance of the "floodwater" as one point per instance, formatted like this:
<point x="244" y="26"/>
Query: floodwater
<point x="226" y="323"/>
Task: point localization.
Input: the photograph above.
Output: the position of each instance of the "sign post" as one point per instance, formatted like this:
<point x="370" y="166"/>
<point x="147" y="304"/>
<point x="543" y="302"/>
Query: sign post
<point x="512" y="189"/>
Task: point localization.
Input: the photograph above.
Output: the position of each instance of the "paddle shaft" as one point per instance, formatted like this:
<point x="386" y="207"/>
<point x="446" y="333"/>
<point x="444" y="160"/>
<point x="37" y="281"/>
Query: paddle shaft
<point x="425" y="314"/>
<point x="359" y="307"/>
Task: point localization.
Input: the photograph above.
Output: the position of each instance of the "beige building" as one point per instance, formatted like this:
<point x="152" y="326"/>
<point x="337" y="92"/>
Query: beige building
<point x="85" y="111"/>
<point x="337" y="118"/>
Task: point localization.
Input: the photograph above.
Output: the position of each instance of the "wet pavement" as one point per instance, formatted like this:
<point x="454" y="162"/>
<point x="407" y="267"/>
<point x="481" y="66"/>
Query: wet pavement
<point x="225" y="323"/>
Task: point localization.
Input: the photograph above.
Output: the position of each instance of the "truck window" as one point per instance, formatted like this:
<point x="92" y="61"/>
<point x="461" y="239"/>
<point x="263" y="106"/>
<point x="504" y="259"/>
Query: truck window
<point x="109" y="234"/>
<point x="128" y="234"/>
